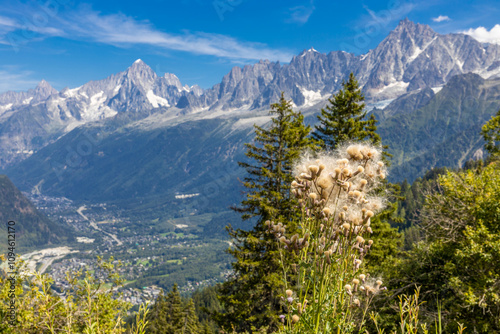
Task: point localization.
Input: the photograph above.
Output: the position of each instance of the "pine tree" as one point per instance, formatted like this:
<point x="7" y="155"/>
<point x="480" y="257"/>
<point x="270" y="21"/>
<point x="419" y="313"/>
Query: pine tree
<point x="171" y="315"/>
<point x="190" y="323"/>
<point x="251" y="297"/>
<point x="343" y="119"/>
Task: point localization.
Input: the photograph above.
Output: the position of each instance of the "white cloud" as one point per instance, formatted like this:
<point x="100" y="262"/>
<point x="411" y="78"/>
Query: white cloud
<point x="124" y="31"/>
<point x="441" y="18"/>
<point x="483" y="35"/>
<point x="12" y="78"/>
<point x="300" y="14"/>
<point x="383" y="17"/>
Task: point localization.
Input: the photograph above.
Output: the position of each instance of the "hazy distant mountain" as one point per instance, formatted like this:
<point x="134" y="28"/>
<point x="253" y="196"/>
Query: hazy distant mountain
<point x="31" y="227"/>
<point x="410" y="58"/>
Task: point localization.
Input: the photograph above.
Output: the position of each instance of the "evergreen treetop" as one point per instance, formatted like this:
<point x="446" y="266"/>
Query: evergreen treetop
<point x="343" y="117"/>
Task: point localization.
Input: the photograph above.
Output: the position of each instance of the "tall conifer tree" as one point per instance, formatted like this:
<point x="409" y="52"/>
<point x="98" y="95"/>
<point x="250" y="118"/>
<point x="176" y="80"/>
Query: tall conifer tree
<point x="251" y="297"/>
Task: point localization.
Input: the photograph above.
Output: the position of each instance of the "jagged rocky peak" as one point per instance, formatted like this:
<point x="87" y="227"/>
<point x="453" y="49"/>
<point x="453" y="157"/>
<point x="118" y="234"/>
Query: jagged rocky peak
<point x="172" y="80"/>
<point x="140" y="73"/>
<point x="43" y="90"/>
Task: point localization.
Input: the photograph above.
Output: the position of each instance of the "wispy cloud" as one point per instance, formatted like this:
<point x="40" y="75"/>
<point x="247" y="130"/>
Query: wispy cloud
<point x="300" y="14"/>
<point x="386" y="16"/>
<point x="124" y="31"/>
<point x="15" y="79"/>
<point x="484" y="35"/>
<point x="441" y="18"/>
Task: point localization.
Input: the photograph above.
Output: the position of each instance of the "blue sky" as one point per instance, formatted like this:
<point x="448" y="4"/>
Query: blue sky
<point x="69" y="43"/>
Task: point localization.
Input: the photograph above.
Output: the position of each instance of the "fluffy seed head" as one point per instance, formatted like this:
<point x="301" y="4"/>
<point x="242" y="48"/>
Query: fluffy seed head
<point x="322" y="166"/>
<point x="289" y="293"/>
<point x="360" y="239"/>
<point x="362" y="277"/>
<point x="355" y="281"/>
<point x="354" y="152"/>
<point x="348" y="287"/>
<point x="295" y="318"/>
<point x="369" y="213"/>
<point x="356" y="302"/>
<point x="346" y="226"/>
<point x="305" y="176"/>
<point x="314" y="169"/>
<point x="324" y="182"/>
<point x="327" y="211"/>
<point x="313" y="196"/>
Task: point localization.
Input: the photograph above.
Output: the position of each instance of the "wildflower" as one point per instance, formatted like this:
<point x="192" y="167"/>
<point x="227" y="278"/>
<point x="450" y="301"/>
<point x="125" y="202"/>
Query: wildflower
<point x="314" y="170"/>
<point x="355" y="282"/>
<point x="295" y="318"/>
<point x="324" y="183"/>
<point x="289" y="293"/>
<point x="327" y="212"/>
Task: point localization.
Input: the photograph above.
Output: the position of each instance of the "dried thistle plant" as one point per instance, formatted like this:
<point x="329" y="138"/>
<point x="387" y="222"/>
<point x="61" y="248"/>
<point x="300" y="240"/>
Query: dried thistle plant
<point x="334" y="194"/>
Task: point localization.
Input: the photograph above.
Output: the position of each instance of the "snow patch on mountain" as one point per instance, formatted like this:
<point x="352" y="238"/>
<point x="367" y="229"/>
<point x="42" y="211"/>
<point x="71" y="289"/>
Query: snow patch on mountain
<point x="311" y="97"/>
<point x="4" y="108"/>
<point x="437" y="89"/>
<point x="397" y="87"/>
<point x="156" y="101"/>
<point x="379" y="104"/>
<point x="96" y="109"/>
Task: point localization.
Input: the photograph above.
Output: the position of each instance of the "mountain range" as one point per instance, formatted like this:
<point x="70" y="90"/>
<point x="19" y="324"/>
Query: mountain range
<point x="139" y="135"/>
